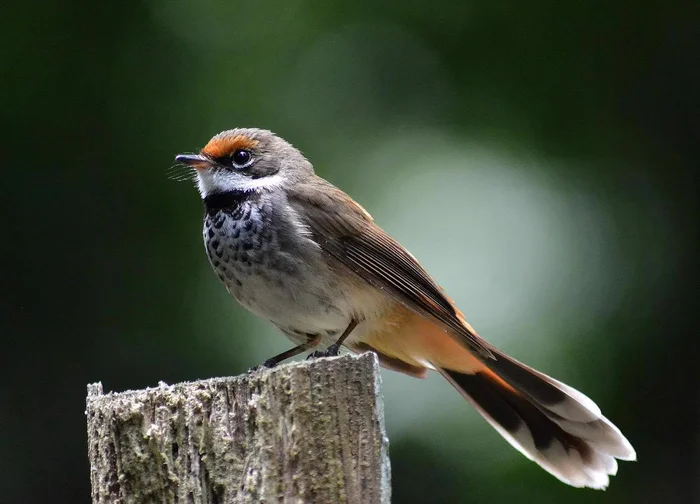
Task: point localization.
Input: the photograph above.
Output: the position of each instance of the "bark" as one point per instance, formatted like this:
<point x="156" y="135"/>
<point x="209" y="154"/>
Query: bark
<point x="304" y="432"/>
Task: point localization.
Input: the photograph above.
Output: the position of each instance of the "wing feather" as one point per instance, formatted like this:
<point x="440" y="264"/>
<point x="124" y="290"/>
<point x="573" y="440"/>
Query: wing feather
<point x="347" y="232"/>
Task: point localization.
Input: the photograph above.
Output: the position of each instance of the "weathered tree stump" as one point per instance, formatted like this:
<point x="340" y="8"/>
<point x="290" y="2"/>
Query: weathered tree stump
<point x="309" y="432"/>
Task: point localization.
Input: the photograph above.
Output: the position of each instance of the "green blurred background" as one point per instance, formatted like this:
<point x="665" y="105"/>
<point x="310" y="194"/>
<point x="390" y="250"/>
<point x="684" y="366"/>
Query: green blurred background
<point x="539" y="158"/>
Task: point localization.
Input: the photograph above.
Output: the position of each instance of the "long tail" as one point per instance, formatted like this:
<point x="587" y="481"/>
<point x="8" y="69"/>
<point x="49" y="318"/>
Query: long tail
<point x="549" y="422"/>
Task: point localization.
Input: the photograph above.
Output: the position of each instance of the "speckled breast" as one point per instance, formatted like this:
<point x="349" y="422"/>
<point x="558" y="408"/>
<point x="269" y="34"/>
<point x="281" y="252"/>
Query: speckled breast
<point x="237" y="244"/>
<point x="266" y="263"/>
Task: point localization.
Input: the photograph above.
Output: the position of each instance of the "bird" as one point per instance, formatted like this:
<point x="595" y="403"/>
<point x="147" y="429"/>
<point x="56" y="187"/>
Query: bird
<point x="300" y="253"/>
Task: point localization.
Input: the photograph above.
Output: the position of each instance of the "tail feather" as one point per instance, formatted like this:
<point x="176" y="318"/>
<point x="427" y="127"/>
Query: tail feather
<point x="549" y="422"/>
<point x="575" y="412"/>
<point x="556" y="396"/>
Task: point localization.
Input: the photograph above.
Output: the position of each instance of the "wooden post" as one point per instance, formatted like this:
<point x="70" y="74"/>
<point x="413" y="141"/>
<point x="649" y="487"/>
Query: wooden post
<point x="309" y="432"/>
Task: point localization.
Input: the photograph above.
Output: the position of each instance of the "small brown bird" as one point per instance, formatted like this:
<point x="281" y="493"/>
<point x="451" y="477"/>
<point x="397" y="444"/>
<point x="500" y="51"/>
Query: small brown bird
<point x="300" y="253"/>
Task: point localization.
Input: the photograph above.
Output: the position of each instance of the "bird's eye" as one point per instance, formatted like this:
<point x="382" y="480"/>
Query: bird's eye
<point x="241" y="157"/>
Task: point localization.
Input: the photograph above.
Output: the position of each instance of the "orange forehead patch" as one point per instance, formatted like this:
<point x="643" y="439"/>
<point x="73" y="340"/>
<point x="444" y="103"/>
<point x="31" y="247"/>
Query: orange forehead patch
<point x="225" y="146"/>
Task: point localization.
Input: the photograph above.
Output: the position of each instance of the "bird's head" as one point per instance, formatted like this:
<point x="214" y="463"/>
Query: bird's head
<point x="246" y="160"/>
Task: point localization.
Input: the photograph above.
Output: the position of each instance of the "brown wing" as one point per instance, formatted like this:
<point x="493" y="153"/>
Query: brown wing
<point x="347" y="232"/>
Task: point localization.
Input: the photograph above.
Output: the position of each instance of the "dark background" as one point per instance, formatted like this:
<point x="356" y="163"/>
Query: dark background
<point x="538" y="157"/>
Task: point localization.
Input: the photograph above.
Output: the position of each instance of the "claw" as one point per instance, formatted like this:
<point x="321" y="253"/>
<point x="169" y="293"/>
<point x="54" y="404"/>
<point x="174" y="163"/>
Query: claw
<point x="268" y="364"/>
<point x="331" y="351"/>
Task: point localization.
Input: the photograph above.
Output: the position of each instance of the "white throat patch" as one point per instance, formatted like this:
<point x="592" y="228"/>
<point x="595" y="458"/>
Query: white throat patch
<point x="212" y="181"/>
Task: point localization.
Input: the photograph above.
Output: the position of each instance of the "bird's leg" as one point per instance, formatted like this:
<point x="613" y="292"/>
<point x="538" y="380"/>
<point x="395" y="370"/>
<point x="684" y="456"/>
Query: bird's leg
<point x="311" y="342"/>
<point x="334" y="349"/>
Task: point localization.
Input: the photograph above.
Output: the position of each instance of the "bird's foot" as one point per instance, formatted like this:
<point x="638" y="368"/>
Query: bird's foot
<point x="331" y="351"/>
<point x="268" y="364"/>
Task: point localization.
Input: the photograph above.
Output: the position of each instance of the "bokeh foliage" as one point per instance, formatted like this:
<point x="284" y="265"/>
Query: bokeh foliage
<point x="539" y="158"/>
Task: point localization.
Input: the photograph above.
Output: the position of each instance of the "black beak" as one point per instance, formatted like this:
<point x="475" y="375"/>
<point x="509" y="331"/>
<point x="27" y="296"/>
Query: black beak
<point x="196" y="161"/>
